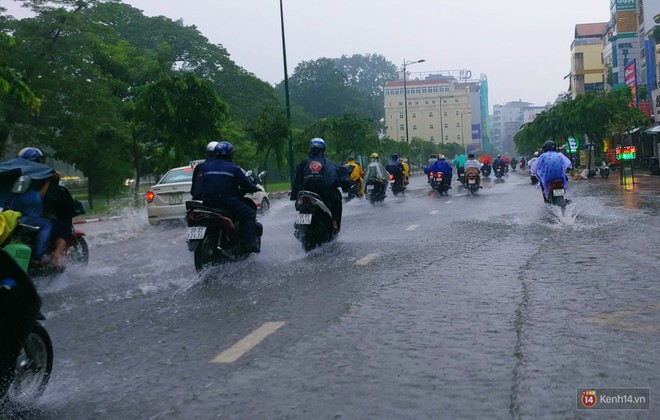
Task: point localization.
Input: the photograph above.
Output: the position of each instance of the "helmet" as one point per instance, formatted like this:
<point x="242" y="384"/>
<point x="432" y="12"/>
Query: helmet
<point x="211" y="146"/>
<point x="536" y="154"/>
<point x="31" y="153"/>
<point x="317" y="143"/>
<point x="351" y="158"/>
<point x="432" y="156"/>
<point x="374" y="155"/>
<point x="549" y="145"/>
<point x="395" y="157"/>
<point x="224" y="148"/>
<point x="499" y="156"/>
<point x="471" y="155"/>
<point x="441" y="157"/>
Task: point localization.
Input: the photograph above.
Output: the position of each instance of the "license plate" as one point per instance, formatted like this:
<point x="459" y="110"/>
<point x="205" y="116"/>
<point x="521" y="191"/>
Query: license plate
<point x="370" y="188"/>
<point x="559" y="192"/>
<point x="471" y="181"/>
<point x="304" y="219"/>
<point x="196" y="232"/>
<point x="176" y="198"/>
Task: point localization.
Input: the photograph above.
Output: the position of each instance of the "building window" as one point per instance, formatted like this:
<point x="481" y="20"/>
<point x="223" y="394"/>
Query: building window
<point x="444" y="101"/>
<point x="431" y="126"/>
<point x="432" y="138"/>
<point x="456" y="100"/>
<point x="446" y="125"/>
<point x="401" y="127"/>
<point x="458" y="125"/>
<point x="400" y="114"/>
<point x="427" y="102"/>
<point x="447" y="138"/>
<point x="409" y="102"/>
<point x="400" y="103"/>
<point x="416" y="102"/>
<point x="433" y="102"/>
<point x="403" y="138"/>
<point x="445" y="113"/>
<point x="456" y="112"/>
<point x="414" y="115"/>
<point x="430" y="114"/>
<point x="458" y="137"/>
<point x="414" y="127"/>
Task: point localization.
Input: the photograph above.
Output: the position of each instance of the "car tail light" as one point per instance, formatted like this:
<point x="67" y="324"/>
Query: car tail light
<point x="150" y="196"/>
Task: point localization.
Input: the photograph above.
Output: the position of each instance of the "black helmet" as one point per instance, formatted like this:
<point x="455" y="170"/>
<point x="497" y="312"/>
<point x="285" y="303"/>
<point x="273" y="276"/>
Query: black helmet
<point x="432" y="156"/>
<point x="395" y="157"/>
<point x="471" y="155"/>
<point x="549" y="145"/>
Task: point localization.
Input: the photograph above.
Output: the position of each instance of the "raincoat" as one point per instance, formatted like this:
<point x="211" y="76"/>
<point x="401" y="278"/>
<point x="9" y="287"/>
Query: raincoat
<point x="357" y="175"/>
<point x="459" y="162"/>
<point x="549" y="167"/>
<point x="486" y="159"/>
<point x="440" y="166"/>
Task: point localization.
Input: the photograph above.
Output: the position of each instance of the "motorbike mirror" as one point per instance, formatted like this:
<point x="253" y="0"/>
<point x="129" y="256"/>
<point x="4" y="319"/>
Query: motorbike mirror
<point x="22" y="184"/>
<point x="248" y="173"/>
<point x="262" y="174"/>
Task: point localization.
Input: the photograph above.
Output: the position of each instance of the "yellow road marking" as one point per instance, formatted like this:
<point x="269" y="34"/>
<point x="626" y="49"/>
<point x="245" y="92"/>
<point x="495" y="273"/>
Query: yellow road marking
<point x="366" y="260"/>
<point x="250" y="341"/>
<point x="617" y="319"/>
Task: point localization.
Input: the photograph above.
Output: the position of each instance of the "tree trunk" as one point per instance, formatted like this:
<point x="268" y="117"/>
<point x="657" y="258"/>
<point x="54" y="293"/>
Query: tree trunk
<point x="89" y="193"/>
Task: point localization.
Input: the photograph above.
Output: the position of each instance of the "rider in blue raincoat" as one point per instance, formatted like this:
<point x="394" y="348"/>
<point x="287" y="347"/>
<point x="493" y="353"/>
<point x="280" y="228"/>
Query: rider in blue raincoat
<point x="441" y="165"/>
<point x="550" y="166"/>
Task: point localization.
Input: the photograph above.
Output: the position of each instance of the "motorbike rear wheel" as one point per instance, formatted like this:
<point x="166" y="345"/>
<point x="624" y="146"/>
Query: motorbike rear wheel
<point x="206" y="251"/>
<point x="78" y="252"/>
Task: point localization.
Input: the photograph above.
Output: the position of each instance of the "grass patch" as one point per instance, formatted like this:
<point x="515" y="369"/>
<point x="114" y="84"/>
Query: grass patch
<point x="278" y="186"/>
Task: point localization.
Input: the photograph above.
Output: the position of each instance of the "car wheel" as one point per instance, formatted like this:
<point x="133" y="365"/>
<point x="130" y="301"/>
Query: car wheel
<point x="265" y="205"/>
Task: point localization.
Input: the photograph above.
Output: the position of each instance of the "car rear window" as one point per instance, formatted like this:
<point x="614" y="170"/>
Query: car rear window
<point x="177" y="175"/>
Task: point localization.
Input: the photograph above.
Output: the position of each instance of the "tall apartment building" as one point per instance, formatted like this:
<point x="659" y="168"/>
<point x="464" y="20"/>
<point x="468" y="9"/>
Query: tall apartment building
<point x="507" y="120"/>
<point x="621" y="43"/>
<point x="587" y="70"/>
<point x="441" y="109"/>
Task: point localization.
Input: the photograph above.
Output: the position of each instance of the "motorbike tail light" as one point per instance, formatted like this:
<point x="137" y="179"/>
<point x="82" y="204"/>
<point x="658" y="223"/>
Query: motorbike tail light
<point x="439" y="175"/>
<point x="431" y="173"/>
<point x="391" y="177"/>
<point x="150" y="196"/>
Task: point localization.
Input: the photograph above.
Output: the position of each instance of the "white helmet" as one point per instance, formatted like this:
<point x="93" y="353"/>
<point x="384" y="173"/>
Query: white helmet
<point x="536" y="154"/>
<point x="211" y="146"/>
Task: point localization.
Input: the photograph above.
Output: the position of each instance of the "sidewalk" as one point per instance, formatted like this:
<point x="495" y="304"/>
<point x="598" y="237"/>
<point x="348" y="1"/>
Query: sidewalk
<point x="643" y="182"/>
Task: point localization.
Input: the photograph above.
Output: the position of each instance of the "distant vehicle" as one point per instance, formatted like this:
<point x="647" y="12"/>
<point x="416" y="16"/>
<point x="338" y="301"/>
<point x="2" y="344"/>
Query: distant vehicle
<point x="166" y="200"/>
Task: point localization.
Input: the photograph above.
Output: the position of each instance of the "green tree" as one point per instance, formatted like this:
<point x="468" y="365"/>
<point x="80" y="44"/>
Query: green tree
<point x="270" y="133"/>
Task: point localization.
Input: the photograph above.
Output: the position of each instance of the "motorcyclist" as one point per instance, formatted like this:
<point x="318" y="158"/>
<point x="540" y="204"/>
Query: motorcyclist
<point x="441" y="165"/>
<point x="530" y="164"/>
<point x="31" y="205"/>
<point x="223" y="186"/>
<point x="459" y="163"/>
<point x="513" y="163"/>
<point x="377" y="174"/>
<point x="320" y="175"/>
<point x="395" y="168"/>
<point x="499" y="163"/>
<point x="406" y="172"/>
<point x="357" y="174"/>
<point x="473" y="166"/>
<point x="19" y="308"/>
<point x="432" y="159"/>
<point x="196" y="187"/>
<point x="551" y="166"/>
<point x="522" y="162"/>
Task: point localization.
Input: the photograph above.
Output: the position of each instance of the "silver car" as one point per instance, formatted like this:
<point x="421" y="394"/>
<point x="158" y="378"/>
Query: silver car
<point x="166" y="200"/>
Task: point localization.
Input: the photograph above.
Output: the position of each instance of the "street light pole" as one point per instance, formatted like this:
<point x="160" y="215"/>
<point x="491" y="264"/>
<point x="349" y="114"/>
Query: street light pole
<point x="405" y="91"/>
<point x="286" y="95"/>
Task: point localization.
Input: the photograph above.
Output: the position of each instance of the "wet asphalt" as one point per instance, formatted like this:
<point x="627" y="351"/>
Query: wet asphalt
<point x="493" y="306"/>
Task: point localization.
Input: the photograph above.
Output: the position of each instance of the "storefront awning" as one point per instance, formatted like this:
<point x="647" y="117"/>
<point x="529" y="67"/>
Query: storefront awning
<point x="653" y="130"/>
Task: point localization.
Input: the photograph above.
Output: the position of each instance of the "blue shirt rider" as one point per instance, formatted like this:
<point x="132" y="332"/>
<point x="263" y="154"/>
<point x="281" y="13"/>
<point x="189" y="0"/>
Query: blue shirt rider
<point x="223" y="186"/>
<point x="551" y="166"/>
<point x="441" y="165"/>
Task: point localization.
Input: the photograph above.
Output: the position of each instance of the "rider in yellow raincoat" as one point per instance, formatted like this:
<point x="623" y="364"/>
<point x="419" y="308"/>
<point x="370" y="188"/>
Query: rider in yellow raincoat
<point x="357" y="175"/>
<point x="406" y="172"/>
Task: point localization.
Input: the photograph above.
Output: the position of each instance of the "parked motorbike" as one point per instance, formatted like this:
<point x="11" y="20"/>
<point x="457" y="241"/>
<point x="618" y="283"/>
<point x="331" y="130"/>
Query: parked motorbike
<point x="376" y="191"/>
<point x="603" y="170"/>
<point x="213" y="234"/>
<point x="485" y="170"/>
<point x="313" y="226"/>
<point x="397" y="186"/>
<point x="439" y="183"/>
<point x="653" y="165"/>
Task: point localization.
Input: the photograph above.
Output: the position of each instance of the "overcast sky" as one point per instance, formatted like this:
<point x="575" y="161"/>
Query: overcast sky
<point x="523" y="46"/>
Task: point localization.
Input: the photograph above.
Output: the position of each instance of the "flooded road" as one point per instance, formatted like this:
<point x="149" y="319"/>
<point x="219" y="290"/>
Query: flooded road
<point x="493" y="306"/>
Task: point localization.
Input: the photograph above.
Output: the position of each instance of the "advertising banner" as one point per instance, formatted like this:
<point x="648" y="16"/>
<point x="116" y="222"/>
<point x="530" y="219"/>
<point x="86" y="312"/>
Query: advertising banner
<point x="655" y="104"/>
<point x="476" y="131"/>
<point x="631" y="80"/>
<point x="620" y="5"/>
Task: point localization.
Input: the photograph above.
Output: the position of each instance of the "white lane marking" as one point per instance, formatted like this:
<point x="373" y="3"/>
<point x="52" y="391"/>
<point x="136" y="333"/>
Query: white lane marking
<point x="250" y="341"/>
<point x="412" y="227"/>
<point x="434" y="212"/>
<point x="449" y="202"/>
<point x="366" y="260"/>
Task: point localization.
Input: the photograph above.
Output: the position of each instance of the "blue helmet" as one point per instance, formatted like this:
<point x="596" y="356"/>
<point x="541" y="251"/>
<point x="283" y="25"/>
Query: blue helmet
<point x="395" y="157"/>
<point x="317" y="143"/>
<point x="224" y="148"/>
<point x="31" y="153"/>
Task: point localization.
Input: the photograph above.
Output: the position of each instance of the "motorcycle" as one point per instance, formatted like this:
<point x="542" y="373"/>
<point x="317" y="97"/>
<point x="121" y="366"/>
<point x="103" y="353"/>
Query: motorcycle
<point x="472" y="183"/>
<point x="376" y="191"/>
<point x="485" y="170"/>
<point x="438" y="183"/>
<point x="313" y="226"/>
<point x="557" y="194"/>
<point x="603" y="170"/>
<point x="461" y="176"/>
<point x="213" y="234"/>
<point x="499" y="171"/>
<point x="397" y="186"/>
<point x="76" y="250"/>
<point x="534" y="179"/>
<point x="353" y="191"/>
<point x="653" y="165"/>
